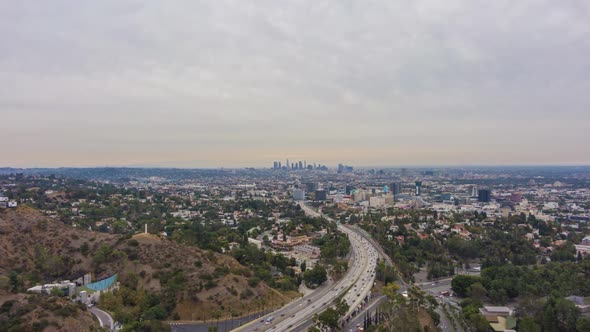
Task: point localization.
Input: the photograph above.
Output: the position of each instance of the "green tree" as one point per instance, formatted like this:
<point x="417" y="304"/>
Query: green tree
<point x="583" y="324"/>
<point x="477" y="291"/>
<point x="528" y="324"/>
<point x="567" y="252"/>
<point x="566" y="314"/>
<point x="391" y="291"/>
<point x="461" y="284"/>
<point x="266" y="240"/>
<point x="315" y="276"/>
<point x="479" y="323"/>
<point x="15" y="282"/>
<point x="342" y="307"/>
<point x="329" y="319"/>
<point x="155" y="312"/>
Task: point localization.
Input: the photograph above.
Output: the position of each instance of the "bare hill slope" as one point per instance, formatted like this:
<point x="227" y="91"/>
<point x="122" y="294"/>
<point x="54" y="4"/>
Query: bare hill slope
<point x="191" y="284"/>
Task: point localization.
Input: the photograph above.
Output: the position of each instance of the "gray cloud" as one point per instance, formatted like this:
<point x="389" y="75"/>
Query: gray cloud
<point x="233" y="82"/>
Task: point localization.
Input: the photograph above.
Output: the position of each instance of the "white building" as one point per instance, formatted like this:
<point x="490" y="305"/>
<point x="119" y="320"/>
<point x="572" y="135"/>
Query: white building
<point x="377" y="201"/>
<point x="66" y="286"/>
<point x="551" y="206"/>
<point x="299" y="194"/>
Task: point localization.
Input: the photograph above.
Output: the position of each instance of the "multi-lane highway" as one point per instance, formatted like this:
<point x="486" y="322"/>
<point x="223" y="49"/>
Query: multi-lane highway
<point x="354" y="287"/>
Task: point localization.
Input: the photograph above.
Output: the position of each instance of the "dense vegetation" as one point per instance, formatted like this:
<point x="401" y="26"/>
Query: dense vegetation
<point x="506" y="282"/>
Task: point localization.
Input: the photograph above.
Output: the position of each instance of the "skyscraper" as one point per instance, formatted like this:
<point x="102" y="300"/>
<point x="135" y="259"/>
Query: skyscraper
<point x="474" y="191"/>
<point x="418" y="188"/>
<point x="484" y="195"/>
<point x="396" y="188"/>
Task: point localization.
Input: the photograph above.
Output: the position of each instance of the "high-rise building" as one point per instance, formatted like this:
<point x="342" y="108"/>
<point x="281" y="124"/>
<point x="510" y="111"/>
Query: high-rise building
<point x="396" y="188"/>
<point x="321" y="195"/>
<point x="311" y="186"/>
<point x="484" y="195"/>
<point x="418" y="188"/>
<point x="300" y="164"/>
<point x="299" y="194"/>
<point x="473" y="191"/>
<point x="348" y="189"/>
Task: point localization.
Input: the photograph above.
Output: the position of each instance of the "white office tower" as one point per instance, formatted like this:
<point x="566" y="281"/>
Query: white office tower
<point x="299" y="194"/>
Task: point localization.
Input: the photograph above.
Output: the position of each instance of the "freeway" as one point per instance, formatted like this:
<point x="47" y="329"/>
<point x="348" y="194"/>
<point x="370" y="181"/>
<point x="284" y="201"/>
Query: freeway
<point x="354" y="288"/>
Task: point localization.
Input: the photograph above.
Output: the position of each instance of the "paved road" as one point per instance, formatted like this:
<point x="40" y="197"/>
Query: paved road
<point x="355" y="287"/>
<point x="445" y="323"/>
<point x="230" y="324"/>
<point x="222" y="325"/>
<point x="434" y="288"/>
<point x="370" y="308"/>
<point x="375" y="244"/>
<point x="104" y="318"/>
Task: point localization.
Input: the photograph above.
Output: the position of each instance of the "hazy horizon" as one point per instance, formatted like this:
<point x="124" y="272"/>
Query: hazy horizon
<point x="330" y="166"/>
<point x="231" y="83"/>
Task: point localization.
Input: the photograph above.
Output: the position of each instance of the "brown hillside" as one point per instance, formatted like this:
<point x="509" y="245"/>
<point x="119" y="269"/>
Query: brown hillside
<point x="32" y="312"/>
<point x="202" y="283"/>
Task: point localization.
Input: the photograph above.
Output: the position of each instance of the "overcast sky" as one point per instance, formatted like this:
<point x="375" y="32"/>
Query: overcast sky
<point x="242" y="83"/>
